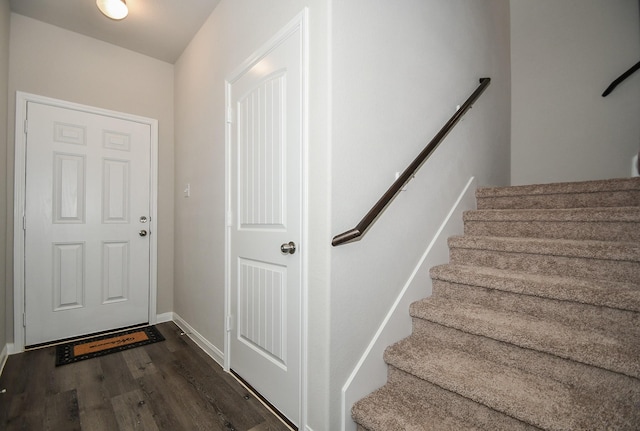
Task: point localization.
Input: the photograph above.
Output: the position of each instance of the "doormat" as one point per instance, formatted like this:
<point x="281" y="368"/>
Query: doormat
<point x="80" y="350"/>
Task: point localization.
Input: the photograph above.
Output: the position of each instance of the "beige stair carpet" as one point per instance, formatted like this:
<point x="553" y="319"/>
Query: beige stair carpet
<point x="534" y="323"/>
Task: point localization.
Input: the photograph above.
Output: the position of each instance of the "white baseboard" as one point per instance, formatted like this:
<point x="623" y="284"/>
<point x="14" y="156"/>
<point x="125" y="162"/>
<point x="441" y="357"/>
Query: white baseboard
<point x="3" y="357"/>
<point x="370" y="372"/>
<point x="197" y="338"/>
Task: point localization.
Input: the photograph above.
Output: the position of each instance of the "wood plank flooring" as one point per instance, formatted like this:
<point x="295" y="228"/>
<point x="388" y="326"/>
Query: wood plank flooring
<point x="171" y="385"/>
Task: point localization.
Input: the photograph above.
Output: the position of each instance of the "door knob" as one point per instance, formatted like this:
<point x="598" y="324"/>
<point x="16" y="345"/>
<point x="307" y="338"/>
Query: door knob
<point x="289" y="248"/>
<point x="143" y="232"/>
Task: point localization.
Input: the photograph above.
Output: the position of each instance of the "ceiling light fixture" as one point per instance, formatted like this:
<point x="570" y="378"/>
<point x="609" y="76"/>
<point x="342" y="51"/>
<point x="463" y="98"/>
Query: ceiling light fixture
<point x="114" y="9"/>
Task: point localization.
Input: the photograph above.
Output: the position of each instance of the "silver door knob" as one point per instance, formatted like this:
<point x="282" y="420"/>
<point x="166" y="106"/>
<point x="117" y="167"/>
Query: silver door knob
<point x="143" y="232"/>
<point x="289" y="248"/>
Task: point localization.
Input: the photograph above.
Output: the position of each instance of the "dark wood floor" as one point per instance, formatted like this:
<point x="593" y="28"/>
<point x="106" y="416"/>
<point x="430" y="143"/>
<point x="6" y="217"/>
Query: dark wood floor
<point x="171" y="385"/>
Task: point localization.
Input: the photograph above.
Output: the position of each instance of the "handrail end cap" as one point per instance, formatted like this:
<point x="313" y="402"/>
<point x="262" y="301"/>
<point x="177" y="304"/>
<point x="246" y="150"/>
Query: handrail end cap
<point x="345" y="237"/>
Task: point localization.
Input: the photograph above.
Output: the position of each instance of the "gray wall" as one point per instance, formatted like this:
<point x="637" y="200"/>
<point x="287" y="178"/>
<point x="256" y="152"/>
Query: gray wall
<point x="564" y="54"/>
<point x="5" y="284"/>
<point x="383" y="81"/>
<point x="49" y="61"/>
<point x="398" y="74"/>
<point x="235" y="30"/>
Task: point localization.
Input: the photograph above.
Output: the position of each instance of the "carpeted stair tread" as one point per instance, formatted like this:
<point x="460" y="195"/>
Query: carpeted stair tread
<point x="594" y="186"/>
<point x="606" y="224"/>
<point x="614" y="192"/>
<point x="610" y="250"/>
<point x="393" y="407"/>
<point x="408" y="403"/>
<point x="575" y="314"/>
<point x="623" y="296"/>
<point x="606" y="214"/>
<point x="538" y="400"/>
<point x="617" y="261"/>
<point x="583" y="377"/>
<point x="612" y="350"/>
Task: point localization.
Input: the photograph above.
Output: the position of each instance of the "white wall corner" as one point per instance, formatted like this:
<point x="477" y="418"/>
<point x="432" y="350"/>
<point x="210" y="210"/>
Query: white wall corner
<point x="370" y="372"/>
<point x="165" y="317"/>
<point x="197" y="338"/>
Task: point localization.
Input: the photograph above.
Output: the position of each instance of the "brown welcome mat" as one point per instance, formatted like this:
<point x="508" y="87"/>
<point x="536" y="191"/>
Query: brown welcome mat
<point x="79" y="350"/>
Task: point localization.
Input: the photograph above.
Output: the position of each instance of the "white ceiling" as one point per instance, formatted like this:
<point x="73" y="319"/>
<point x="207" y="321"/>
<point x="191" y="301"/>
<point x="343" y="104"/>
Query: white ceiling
<point x="157" y="28"/>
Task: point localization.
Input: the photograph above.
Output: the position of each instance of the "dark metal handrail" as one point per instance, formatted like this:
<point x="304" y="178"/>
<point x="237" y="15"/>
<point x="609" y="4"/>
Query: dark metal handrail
<point x="621" y="78"/>
<point x="366" y="222"/>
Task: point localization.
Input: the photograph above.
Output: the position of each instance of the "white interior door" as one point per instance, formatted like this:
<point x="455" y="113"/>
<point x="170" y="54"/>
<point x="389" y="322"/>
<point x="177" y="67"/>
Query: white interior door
<point x="266" y="206"/>
<point x="87" y="212"/>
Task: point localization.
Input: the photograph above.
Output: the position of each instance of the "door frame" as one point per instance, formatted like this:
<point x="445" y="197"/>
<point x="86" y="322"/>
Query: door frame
<point x="19" y="201"/>
<point x="298" y="23"/>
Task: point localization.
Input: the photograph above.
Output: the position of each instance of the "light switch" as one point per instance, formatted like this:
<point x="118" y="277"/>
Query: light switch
<point x="187" y="191"/>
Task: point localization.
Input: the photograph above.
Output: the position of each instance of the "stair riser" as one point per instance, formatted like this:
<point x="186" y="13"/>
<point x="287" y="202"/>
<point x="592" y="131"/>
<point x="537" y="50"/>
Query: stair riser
<point x="531" y="361"/>
<point x="588" y="346"/>
<point x="458" y="406"/>
<point x="620" y="231"/>
<point x="562" y="200"/>
<point x="565" y="312"/>
<point x="615" y="270"/>
<point x="622" y="296"/>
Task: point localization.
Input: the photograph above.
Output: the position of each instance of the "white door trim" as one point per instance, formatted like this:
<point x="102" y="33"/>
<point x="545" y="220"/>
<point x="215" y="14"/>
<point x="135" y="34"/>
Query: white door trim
<point x="300" y="22"/>
<point x="20" y="196"/>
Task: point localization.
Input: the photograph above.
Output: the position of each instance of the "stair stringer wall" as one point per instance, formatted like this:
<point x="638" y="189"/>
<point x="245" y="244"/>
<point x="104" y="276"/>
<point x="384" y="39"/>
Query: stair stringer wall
<point x="370" y="372"/>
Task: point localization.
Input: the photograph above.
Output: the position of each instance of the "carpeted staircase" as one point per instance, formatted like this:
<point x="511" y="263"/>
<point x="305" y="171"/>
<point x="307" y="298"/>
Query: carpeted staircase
<point x="534" y="323"/>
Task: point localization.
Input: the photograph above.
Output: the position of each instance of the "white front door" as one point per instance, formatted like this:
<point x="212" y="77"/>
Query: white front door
<point x="87" y="212"/>
<point x="265" y="103"/>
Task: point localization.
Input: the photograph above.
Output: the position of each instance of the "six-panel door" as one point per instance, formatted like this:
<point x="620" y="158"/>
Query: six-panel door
<point x="86" y="244"/>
